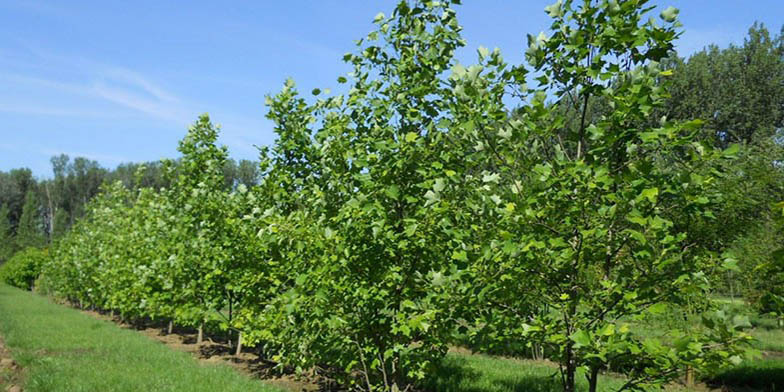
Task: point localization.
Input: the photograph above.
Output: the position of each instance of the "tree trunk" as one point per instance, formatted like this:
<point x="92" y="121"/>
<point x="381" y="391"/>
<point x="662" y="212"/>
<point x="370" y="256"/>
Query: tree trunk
<point x="239" y="344"/>
<point x="51" y="211"/>
<point x="593" y="379"/>
<point x="171" y="326"/>
<point x="571" y="369"/>
<point x="690" y="377"/>
<point x="200" y="338"/>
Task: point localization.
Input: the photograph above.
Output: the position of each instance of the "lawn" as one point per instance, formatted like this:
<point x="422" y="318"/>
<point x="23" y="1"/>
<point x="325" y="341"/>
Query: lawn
<point x="481" y="373"/>
<point x="62" y="349"/>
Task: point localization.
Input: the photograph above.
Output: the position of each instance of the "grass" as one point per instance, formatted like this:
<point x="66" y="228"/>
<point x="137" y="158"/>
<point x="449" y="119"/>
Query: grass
<point x="62" y="349"/>
<point x="482" y="373"/>
<point x="768" y="339"/>
<point x="758" y="375"/>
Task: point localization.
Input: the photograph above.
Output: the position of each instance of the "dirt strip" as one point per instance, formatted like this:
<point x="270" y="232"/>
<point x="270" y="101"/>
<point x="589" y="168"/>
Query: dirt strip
<point x="10" y="372"/>
<point x="214" y="352"/>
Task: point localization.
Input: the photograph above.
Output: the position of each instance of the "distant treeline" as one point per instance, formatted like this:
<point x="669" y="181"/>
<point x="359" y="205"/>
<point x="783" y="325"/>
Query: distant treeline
<point x="34" y="211"/>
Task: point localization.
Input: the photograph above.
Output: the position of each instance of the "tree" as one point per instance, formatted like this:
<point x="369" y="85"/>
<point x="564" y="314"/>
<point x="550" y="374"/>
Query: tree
<point x="737" y="90"/>
<point x="14" y="186"/>
<point x="578" y="236"/>
<point x="23" y="268"/>
<point x="7" y="245"/>
<point x="30" y="233"/>
<point x="198" y="198"/>
<point x="248" y="173"/>
<point x="369" y="177"/>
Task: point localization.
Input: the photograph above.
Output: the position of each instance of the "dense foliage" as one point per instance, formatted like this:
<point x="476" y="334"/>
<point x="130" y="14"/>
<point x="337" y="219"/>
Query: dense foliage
<point x="24" y="268"/>
<point x="548" y="208"/>
<point x="54" y="204"/>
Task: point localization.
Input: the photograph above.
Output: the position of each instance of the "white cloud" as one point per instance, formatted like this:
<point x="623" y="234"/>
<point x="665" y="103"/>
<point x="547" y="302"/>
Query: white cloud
<point x="38" y="110"/>
<point x="117" y="85"/>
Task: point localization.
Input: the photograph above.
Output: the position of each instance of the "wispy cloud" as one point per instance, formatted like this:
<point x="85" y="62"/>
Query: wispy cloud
<point x="38" y="110"/>
<point x="153" y="106"/>
<point x="117" y="85"/>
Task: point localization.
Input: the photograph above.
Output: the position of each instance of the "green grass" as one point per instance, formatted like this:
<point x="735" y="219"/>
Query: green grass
<point x="758" y="375"/>
<point x="768" y="339"/>
<point x="62" y="349"/>
<point x="482" y="373"/>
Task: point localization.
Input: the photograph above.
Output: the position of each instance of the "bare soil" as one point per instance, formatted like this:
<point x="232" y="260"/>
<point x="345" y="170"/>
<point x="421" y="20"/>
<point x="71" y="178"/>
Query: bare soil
<point x="210" y="351"/>
<point x="10" y="373"/>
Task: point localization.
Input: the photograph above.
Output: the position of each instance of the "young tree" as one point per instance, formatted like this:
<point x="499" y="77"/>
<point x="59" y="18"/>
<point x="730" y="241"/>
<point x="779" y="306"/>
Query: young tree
<point x="375" y="209"/>
<point x="579" y="237"/>
<point x="197" y="198"/>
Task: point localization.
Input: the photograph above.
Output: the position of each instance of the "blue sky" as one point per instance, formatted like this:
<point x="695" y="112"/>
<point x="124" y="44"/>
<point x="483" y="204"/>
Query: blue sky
<point x="120" y="81"/>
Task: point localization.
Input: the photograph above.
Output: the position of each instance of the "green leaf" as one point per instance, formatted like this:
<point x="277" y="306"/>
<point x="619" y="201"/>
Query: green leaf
<point x="670" y="14"/>
<point x="650" y="194"/>
<point x="483" y="52"/>
<point x="554" y="10"/>
<point x="741" y="322"/>
<point x="491" y="177"/>
<point x="316" y="91"/>
<point x="732" y="150"/>
<point x="581" y="337"/>
<point x="411" y="136"/>
<point x="439" y="185"/>
<point x="393" y="191"/>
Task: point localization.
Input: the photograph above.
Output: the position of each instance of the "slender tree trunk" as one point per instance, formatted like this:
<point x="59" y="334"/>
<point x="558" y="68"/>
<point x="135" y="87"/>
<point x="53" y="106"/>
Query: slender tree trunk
<point x="690" y="377"/>
<point x="239" y="344"/>
<point x="200" y="338"/>
<point x="571" y="369"/>
<point x="51" y="211"/>
<point x="593" y="379"/>
<point x="171" y="326"/>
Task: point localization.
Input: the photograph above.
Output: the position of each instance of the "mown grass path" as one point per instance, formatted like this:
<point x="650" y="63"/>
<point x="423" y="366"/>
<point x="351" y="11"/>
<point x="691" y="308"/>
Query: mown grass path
<point x="61" y="349"/>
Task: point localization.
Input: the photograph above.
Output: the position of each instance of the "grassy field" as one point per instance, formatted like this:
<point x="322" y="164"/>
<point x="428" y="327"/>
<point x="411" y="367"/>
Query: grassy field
<point x="480" y="373"/>
<point x="62" y="349"/>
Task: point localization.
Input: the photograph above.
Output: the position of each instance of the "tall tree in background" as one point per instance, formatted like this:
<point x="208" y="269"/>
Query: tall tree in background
<point x="30" y="230"/>
<point x="14" y="186"/>
<point x="6" y="237"/>
<point x="738" y="91"/>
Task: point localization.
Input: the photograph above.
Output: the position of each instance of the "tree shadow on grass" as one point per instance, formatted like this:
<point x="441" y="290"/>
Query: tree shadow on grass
<point x="456" y="375"/>
<point x="765" y="375"/>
